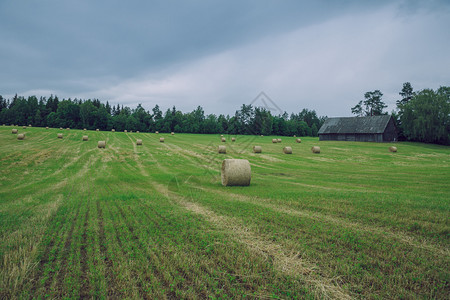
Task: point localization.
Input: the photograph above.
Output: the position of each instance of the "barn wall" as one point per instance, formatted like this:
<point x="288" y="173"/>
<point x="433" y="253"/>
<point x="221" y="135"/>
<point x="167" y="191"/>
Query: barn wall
<point x="391" y="133"/>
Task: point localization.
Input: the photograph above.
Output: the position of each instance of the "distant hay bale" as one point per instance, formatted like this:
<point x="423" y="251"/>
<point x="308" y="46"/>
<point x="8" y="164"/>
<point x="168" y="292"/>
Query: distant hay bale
<point x="101" y="144"/>
<point x="60" y="135"/>
<point x="29" y="125"/>
<point x="67" y="128"/>
<point x="222" y="149"/>
<point x="97" y="129"/>
<point x="298" y="140"/>
<point x="295" y="135"/>
<point x="131" y="130"/>
<point x="14" y="131"/>
<point x="315" y="149"/>
<point x="172" y="133"/>
<point x="84" y="129"/>
<point x="125" y="131"/>
<point x="46" y="127"/>
<point x="392" y="149"/>
<point x="24" y="127"/>
<point x="161" y="140"/>
<point x="262" y="135"/>
<point x="233" y="139"/>
<point x="113" y="130"/>
<point x="279" y="140"/>
<point x="287" y="150"/>
<point x="157" y="132"/>
<point x="223" y="140"/>
<point x="85" y="137"/>
<point x="60" y="128"/>
<point x="20" y="136"/>
<point x="274" y="141"/>
<point x="139" y="142"/>
<point x="221" y="135"/>
<point x="236" y="172"/>
<point x="257" y="149"/>
<point x="137" y="131"/>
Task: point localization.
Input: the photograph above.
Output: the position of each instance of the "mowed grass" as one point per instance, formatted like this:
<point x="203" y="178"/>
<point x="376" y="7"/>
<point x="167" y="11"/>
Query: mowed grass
<point x="154" y="221"/>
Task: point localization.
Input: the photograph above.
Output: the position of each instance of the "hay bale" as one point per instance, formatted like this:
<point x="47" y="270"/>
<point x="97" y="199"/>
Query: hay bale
<point x="298" y="140"/>
<point x="24" y="127"/>
<point x="274" y="141"/>
<point x="287" y="150"/>
<point x="20" y="136"/>
<point x="46" y="127"/>
<point x="257" y="149"/>
<point x="139" y="142"/>
<point x="97" y="129"/>
<point x="221" y="135"/>
<point x="14" y="131"/>
<point x="161" y="140"/>
<point x="295" y="135"/>
<point x="392" y="149"/>
<point x="125" y="131"/>
<point x="233" y="139"/>
<point x="113" y="130"/>
<point x="279" y="140"/>
<point x="131" y="130"/>
<point x="137" y="131"/>
<point x="29" y="125"/>
<point x="157" y="132"/>
<point x="236" y="172"/>
<point x="222" y="149"/>
<point x="60" y="135"/>
<point x="223" y="140"/>
<point x="262" y="135"/>
<point x="60" y="128"/>
<point x="67" y="128"/>
<point x="85" y="137"/>
<point x="101" y="144"/>
<point x="84" y="129"/>
<point x="315" y="149"/>
<point x="172" y="133"/>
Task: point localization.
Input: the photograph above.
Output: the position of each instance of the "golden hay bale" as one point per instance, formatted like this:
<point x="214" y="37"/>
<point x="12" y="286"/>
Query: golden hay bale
<point x="392" y="149"/>
<point x="67" y="128"/>
<point x="295" y="135"/>
<point x="46" y="127"/>
<point x="85" y="137"/>
<point x="137" y="131"/>
<point x="279" y="140"/>
<point x="172" y="133"/>
<point x="274" y="141"/>
<point x="84" y="129"/>
<point x="20" y="136"/>
<point x="60" y="128"/>
<point x="221" y="135"/>
<point x="14" y="131"/>
<point x="97" y="129"/>
<point x="29" y="125"/>
<point x="125" y="131"/>
<point x="233" y="139"/>
<point x="262" y="135"/>
<point x="60" y="135"/>
<point x="223" y="140"/>
<point x="24" y="127"/>
<point x="101" y="144"/>
<point x="257" y="149"/>
<point x="139" y="142"/>
<point x="222" y="149"/>
<point x="315" y="149"/>
<point x="298" y="140"/>
<point x="113" y="130"/>
<point x="236" y="172"/>
<point x="157" y="132"/>
<point x="287" y="150"/>
<point x="161" y="140"/>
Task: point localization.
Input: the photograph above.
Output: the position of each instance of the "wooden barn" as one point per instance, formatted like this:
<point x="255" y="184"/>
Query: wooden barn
<point x="359" y="129"/>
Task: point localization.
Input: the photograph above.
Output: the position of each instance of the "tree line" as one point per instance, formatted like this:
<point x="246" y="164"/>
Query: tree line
<point x="422" y="116"/>
<point x="93" y="114"/>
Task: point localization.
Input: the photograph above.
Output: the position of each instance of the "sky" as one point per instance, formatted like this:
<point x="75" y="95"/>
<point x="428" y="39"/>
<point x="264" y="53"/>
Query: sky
<point x="321" y="55"/>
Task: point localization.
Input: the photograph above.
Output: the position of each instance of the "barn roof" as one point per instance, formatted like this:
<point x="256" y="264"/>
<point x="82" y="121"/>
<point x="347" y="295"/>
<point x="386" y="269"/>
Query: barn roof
<point x="373" y="124"/>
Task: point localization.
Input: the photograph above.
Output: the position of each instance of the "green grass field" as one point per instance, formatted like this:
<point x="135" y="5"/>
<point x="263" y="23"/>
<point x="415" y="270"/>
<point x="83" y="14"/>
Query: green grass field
<point x="154" y="221"/>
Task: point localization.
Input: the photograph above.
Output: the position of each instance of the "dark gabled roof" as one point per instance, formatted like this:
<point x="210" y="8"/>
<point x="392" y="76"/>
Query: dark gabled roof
<point x="374" y="124"/>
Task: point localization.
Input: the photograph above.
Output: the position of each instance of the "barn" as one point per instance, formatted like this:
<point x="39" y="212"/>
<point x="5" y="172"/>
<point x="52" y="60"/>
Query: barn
<point x="359" y="129"/>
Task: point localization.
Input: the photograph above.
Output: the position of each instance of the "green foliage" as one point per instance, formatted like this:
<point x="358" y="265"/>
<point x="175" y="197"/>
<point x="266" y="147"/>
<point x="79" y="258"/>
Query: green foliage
<point x="371" y="106"/>
<point x="426" y="117"/>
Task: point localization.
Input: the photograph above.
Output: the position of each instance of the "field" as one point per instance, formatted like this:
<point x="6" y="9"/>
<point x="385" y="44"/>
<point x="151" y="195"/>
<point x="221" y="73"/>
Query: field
<point x="154" y="221"/>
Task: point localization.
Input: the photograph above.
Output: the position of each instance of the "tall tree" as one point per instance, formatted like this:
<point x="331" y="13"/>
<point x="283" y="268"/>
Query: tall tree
<point x="372" y="105"/>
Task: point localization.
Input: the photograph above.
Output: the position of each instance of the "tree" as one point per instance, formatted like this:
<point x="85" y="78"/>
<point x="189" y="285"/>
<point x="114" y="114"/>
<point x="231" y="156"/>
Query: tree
<point x="371" y="106"/>
<point x="406" y="93"/>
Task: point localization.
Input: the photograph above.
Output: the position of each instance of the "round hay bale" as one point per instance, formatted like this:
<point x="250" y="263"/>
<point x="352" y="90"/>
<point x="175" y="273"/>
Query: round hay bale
<point x="67" y="128"/>
<point x="157" y="132"/>
<point x="131" y="130"/>
<point x="60" y="128"/>
<point x="85" y="137"/>
<point x="274" y="141"/>
<point x="46" y="127"/>
<point x="20" y="136"/>
<point x="84" y="129"/>
<point x="24" y="127"/>
<point x="287" y="150"/>
<point x="392" y="149"/>
<point x="257" y="149"/>
<point x="315" y="149"/>
<point x="222" y="149"/>
<point x="172" y="133"/>
<point x="223" y="140"/>
<point x="161" y="140"/>
<point x="60" y="135"/>
<point x="298" y="140"/>
<point x="125" y="131"/>
<point x="262" y="135"/>
<point x="279" y="140"/>
<point x="101" y="144"/>
<point x="113" y="130"/>
<point x="295" y="135"/>
<point x="221" y="135"/>
<point x="139" y="142"/>
<point x="97" y="129"/>
<point x="236" y="172"/>
<point x="14" y="131"/>
<point x="29" y="125"/>
<point x="233" y="139"/>
<point x="137" y="131"/>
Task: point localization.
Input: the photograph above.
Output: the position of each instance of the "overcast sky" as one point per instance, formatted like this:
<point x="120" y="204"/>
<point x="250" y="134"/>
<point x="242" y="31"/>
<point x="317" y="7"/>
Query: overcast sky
<point x="321" y="55"/>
